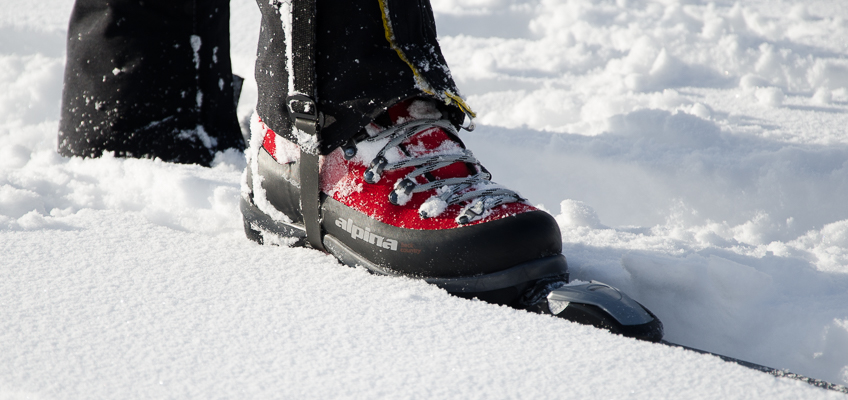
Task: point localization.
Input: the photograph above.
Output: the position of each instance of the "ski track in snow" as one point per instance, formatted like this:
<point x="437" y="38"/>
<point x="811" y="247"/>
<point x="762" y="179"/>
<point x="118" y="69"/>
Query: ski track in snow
<point x="694" y="154"/>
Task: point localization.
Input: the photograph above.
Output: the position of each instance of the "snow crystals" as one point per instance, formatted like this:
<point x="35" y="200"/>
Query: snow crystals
<point x="697" y="151"/>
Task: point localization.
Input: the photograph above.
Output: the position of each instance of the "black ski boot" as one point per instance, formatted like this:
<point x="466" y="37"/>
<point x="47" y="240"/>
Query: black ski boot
<point x="406" y="198"/>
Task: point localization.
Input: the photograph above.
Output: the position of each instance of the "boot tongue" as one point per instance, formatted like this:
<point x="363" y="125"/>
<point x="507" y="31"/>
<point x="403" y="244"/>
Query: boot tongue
<point x="431" y="141"/>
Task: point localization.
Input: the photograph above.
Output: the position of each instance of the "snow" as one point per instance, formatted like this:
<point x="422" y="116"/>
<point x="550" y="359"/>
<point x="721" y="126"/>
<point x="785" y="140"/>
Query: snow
<point x="694" y="154"/>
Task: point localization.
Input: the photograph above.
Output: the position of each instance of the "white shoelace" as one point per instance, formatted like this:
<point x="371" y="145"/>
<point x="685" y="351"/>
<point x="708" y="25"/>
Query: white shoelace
<point x="481" y="193"/>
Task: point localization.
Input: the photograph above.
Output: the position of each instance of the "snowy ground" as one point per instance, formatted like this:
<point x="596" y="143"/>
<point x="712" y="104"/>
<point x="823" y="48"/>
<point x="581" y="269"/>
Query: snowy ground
<point x="695" y="155"/>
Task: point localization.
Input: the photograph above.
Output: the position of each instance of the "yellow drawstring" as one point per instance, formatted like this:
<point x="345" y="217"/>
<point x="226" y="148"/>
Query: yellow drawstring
<point x="422" y="83"/>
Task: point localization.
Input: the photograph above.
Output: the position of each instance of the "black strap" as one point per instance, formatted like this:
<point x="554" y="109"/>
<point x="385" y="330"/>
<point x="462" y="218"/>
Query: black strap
<point x="303" y="110"/>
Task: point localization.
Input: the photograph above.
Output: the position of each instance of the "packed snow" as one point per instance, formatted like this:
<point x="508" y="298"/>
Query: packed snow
<point x="694" y="154"/>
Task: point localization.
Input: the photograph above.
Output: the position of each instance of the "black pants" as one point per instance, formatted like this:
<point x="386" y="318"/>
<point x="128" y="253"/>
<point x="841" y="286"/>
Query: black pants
<point x="153" y="78"/>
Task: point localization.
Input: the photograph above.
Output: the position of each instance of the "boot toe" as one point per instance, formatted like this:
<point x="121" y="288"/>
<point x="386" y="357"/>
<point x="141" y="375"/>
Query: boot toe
<point x="487" y="247"/>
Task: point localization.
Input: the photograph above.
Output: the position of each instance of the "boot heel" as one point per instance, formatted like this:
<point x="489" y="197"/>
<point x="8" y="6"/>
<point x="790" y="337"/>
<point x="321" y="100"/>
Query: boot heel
<point x="257" y="225"/>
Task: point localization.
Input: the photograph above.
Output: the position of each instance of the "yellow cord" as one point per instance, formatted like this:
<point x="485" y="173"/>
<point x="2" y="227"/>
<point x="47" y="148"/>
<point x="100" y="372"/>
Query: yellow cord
<point x="461" y="104"/>
<point x="422" y="83"/>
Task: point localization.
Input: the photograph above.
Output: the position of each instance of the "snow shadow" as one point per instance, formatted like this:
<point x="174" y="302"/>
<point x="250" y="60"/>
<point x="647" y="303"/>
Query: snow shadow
<point x="775" y="311"/>
<point x="655" y="168"/>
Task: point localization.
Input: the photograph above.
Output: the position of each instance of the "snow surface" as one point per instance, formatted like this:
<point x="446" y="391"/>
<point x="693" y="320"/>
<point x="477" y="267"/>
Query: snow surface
<point x="695" y="155"/>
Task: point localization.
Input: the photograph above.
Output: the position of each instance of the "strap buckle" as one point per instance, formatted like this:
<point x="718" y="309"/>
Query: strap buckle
<point x="304" y="114"/>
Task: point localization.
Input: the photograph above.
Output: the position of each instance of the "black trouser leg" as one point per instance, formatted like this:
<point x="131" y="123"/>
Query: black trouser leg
<point x="359" y="72"/>
<point x="149" y="78"/>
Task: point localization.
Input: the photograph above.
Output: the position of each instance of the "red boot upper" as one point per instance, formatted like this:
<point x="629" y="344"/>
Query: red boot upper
<point x="343" y="179"/>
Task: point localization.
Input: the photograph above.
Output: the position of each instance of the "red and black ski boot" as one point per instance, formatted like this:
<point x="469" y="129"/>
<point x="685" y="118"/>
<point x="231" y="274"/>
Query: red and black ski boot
<point x="406" y="198"/>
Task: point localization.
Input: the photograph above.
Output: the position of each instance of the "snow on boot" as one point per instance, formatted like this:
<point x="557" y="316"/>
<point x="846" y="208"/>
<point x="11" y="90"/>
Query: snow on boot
<point x="406" y="198"/>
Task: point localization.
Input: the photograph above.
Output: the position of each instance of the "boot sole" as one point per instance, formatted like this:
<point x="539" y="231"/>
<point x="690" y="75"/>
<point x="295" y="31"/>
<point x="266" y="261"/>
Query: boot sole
<point x="257" y="224"/>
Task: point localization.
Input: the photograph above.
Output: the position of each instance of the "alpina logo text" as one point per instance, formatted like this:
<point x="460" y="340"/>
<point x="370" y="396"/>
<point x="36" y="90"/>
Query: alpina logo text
<point x="366" y="235"/>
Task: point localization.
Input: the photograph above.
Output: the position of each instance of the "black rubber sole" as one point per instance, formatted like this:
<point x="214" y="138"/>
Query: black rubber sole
<point x="257" y="224"/>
